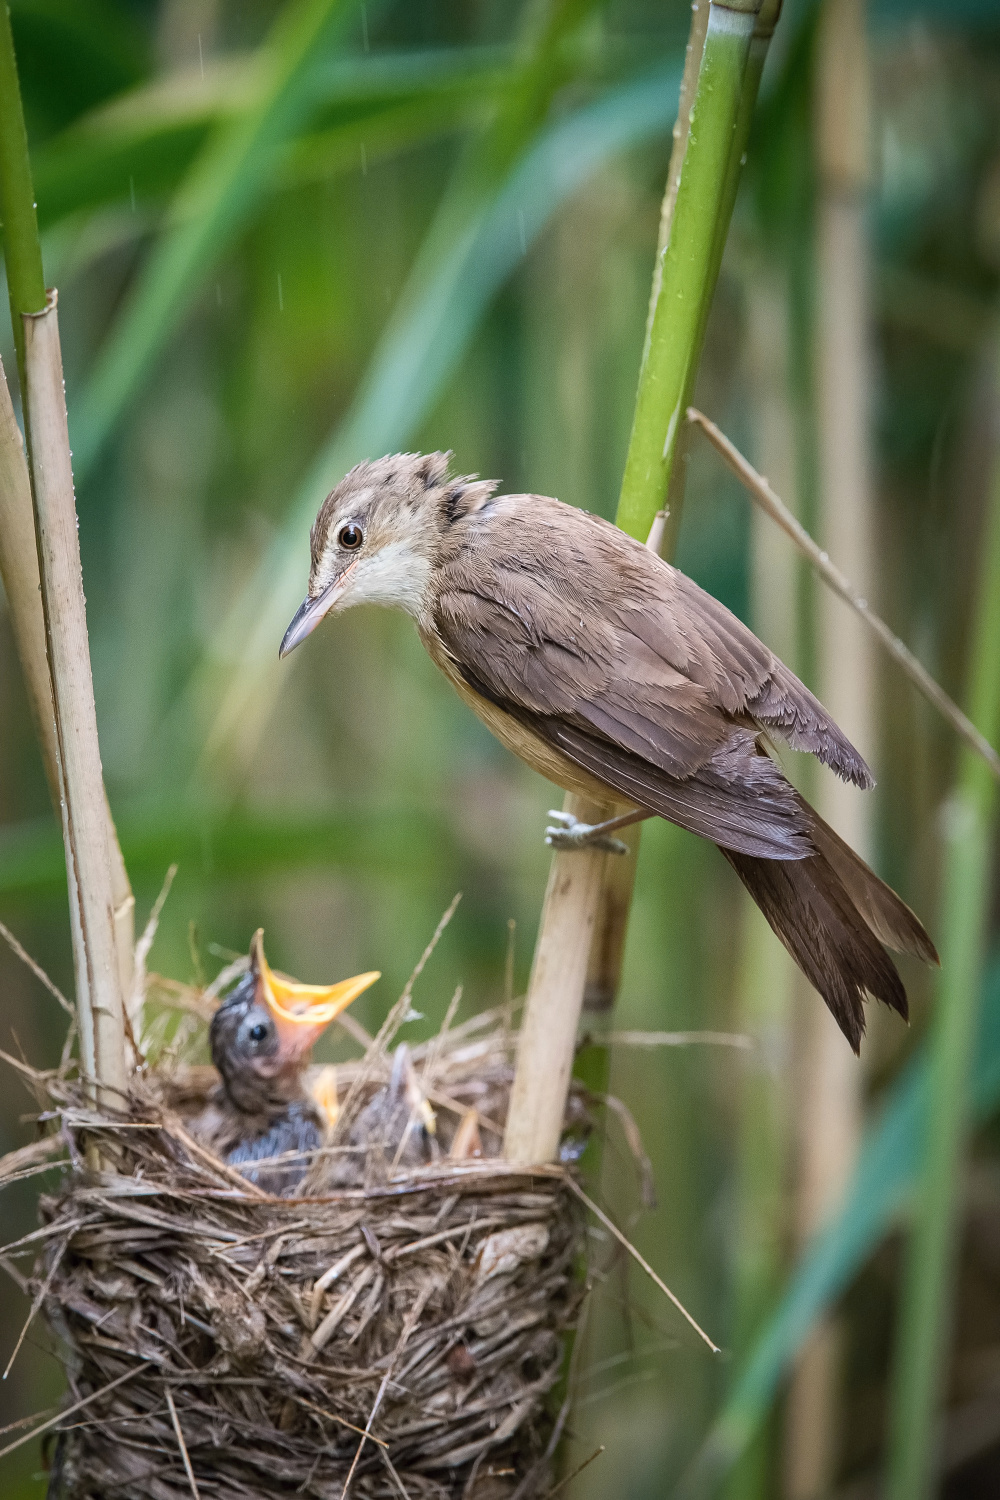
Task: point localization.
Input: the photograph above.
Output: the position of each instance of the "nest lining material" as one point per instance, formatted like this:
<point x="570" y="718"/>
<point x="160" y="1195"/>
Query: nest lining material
<point x="234" y="1345"/>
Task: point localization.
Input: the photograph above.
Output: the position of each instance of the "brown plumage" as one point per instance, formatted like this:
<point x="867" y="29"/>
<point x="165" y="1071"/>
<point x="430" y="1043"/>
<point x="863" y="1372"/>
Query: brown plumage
<point x="614" y="675"/>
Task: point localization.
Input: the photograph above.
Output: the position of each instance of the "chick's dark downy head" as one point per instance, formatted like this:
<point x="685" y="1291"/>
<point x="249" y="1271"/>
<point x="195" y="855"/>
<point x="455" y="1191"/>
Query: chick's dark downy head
<point x="264" y="1030"/>
<point x="247" y="1051"/>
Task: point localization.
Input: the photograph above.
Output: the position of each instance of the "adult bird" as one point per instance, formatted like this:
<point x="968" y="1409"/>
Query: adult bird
<point x="615" y="676"/>
<point x="261" y="1037"/>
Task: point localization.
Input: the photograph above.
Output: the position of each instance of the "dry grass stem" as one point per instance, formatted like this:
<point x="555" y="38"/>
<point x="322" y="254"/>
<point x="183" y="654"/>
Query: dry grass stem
<point x="831" y="575"/>
<point x="181" y="1443"/>
<point x="677" y="1039"/>
<point x="36" y="969"/>
<point x="137" y="994"/>
<point x="640" y="1260"/>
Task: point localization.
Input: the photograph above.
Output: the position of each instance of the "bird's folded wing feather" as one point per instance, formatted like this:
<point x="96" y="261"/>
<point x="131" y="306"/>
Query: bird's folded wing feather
<point x="609" y="701"/>
<point x="565" y="613"/>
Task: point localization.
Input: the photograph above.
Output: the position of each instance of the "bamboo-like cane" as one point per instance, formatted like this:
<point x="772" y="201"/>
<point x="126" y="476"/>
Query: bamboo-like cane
<point x="611" y="923"/>
<point x="767" y="978"/>
<point x="614" y="901"/>
<point x="19" y="572"/>
<point x="686" y="268"/>
<point x="18" y="545"/>
<point x="83" y="806"/>
<point x="830" y="1082"/>
<point x="555" y="994"/>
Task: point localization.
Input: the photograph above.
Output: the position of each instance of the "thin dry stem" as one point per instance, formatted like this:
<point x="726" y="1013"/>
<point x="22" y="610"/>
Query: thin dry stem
<point x="831" y="575"/>
<point x="374" y="1058"/>
<point x="36" y="969"/>
<point x="185" y="1456"/>
<point x="640" y="1260"/>
<point x="71" y="1410"/>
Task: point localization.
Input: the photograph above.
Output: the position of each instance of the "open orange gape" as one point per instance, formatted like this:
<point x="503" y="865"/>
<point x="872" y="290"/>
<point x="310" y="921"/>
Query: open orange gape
<point x="302" y="1012"/>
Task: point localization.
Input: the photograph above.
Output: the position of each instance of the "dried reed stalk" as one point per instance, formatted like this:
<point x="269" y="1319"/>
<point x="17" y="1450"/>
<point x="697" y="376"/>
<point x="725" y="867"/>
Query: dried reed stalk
<point x="845" y="589"/>
<point x="18" y="547"/>
<point x="19" y="572"/>
<point x="555" y="997"/>
<point x="829" y="1081"/>
<point x="82" y="802"/>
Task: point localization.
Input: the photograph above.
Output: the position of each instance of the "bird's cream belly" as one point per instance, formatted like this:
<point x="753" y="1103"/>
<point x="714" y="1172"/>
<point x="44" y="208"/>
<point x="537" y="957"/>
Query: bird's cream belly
<point x="531" y="748"/>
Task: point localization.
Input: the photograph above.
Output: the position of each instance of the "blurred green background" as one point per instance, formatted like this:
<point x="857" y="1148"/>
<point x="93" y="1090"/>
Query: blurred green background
<point x="287" y="236"/>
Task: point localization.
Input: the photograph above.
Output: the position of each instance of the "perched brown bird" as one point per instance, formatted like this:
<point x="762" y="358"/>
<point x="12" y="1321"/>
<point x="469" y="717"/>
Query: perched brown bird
<point x="615" y="676"/>
<point x="261" y="1037"/>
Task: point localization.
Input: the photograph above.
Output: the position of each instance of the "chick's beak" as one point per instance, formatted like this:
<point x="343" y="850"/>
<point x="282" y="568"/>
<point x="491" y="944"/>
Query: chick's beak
<point x="302" y="1012"/>
<point x="310" y="612"/>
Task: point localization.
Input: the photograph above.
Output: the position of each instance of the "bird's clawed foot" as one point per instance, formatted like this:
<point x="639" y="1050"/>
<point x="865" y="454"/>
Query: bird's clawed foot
<point x="568" y="834"/>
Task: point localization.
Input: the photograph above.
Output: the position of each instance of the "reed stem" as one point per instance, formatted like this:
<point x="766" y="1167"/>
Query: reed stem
<point x="21" y="248"/>
<point x="686" y="268"/>
<point x="689" y="263"/>
<point x="922" y="1344"/>
<point x="47" y="608"/>
<point x="828" y="1099"/>
<point x="84" y="808"/>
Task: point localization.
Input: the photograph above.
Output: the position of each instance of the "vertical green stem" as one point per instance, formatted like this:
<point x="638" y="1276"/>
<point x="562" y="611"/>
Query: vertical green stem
<point x="22" y="251"/>
<point x="921" y="1352"/>
<point x="767" y="20"/>
<point x="760" y="42"/>
<point x="689" y="265"/>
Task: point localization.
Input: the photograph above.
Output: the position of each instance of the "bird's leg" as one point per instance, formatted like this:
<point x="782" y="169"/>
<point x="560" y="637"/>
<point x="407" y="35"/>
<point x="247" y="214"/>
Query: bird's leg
<point x="569" y="834"/>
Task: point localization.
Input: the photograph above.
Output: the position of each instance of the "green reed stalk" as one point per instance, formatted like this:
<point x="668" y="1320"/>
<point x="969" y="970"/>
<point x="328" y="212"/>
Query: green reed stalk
<point x="690" y="262"/>
<point x="21" y="248"/>
<point x="922" y="1347"/>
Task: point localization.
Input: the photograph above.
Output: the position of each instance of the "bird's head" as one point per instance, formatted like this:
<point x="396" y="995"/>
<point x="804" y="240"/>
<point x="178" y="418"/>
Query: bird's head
<point x="263" y="1031"/>
<point x="377" y="535"/>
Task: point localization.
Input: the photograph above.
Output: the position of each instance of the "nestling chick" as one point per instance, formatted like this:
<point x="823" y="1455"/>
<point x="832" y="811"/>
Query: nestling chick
<point x="615" y="676"/>
<point x="261" y="1037"/>
<point x="396" y="1129"/>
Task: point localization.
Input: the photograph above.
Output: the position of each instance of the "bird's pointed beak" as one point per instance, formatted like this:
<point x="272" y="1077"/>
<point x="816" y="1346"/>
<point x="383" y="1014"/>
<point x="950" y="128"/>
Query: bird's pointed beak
<point x="301" y="1012"/>
<point x="311" y="612"/>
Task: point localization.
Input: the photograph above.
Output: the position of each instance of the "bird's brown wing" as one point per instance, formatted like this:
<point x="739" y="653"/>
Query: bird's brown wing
<point x="663" y="745"/>
<point x="565" y="613"/>
<point x="763" y="687"/>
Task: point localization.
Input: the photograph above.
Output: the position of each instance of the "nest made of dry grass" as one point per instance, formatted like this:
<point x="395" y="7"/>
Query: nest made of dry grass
<point x="224" y="1343"/>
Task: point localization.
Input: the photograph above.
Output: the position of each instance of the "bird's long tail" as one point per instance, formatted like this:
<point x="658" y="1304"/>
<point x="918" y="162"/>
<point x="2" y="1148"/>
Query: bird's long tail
<point x="833" y="914"/>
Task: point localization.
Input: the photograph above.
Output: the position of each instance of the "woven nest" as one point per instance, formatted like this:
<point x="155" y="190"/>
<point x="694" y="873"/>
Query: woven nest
<point x="220" y="1342"/>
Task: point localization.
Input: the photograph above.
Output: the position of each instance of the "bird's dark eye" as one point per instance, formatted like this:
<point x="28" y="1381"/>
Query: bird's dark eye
<point x="351" y="536"/>
<point x="258" y="1032"/>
